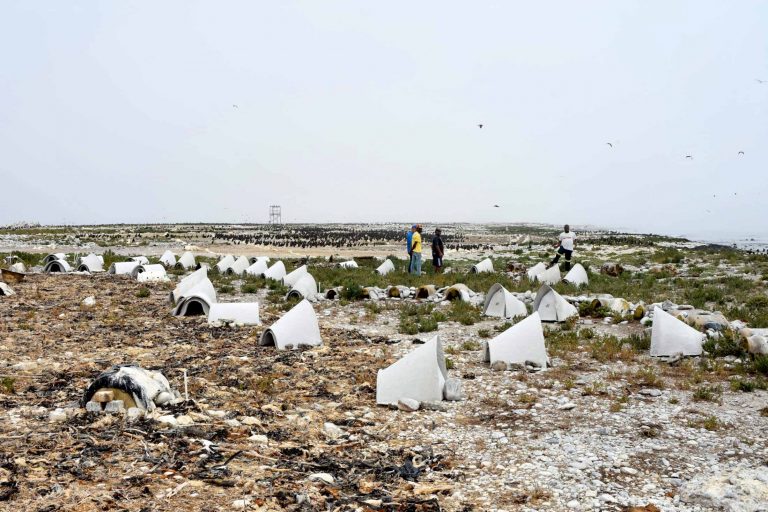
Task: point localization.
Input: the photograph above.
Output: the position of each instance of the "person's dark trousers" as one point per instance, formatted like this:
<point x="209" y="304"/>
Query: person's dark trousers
<point x="567" y="254"/>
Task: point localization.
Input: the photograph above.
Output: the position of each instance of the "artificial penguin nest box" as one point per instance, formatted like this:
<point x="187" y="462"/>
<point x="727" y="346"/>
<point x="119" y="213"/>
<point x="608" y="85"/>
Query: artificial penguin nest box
<point x="133" y="385"/>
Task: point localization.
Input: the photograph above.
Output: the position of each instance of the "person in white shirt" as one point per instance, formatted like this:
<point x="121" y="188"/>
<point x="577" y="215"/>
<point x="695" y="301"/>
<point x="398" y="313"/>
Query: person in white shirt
<point x="565" y="246"/>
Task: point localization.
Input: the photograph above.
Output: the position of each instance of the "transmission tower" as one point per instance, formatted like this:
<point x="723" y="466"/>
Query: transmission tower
<point x="274" y="214"/>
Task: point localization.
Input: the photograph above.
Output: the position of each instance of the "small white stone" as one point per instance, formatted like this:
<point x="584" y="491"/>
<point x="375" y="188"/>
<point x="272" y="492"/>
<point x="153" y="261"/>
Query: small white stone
<point x="89" y="301"/>
<point x="326" y="478"/>
<point x="332" y="431"/>
<point x="240" y="504"/>
<point x="629" y="471"/>
<point x="259" y="439"/>
<point x="167" y="419"/>
<point x="184" y="420"/>
<point x="408" y="404"/>
<point x="58" y="415"/>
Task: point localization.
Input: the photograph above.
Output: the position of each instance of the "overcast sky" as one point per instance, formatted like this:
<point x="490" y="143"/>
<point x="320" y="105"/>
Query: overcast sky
<point x="368" y="111"/>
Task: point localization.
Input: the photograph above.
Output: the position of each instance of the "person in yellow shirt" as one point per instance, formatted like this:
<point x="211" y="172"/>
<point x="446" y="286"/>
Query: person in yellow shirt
<point x="416" y="251"/>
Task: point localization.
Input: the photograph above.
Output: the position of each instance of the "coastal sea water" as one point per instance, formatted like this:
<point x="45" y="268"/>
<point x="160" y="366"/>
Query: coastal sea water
<point x="757" y="242"/>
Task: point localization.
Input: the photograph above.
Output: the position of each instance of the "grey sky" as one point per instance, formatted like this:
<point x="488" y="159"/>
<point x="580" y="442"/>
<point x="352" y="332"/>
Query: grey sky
<point x="361" y="111"/>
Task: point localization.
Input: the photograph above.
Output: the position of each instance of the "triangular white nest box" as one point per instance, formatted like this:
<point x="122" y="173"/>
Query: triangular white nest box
<point x="293" y="277"/>
<point x="239" y="266"/>
<point x="550" y="276"/>
<point x="90" y="263"/>
<point x="425" y="291"/>
<point x="197" y="300"/>
<point x="245" y="313"/>
<point x="296" y="328"/>
<point x="57" y="266"/>
<point x="139" y="387"/>
<point x="123" y="268"/>
<point x="276" y="271"/>
<point x="522" y="342"/>
<point x="6" y="290"/>
<point x="348" y="264"/>
<point x="484" y="266"/>
<point x="551" y="306"/>
<point x="502" y="304"/>
<point x="670" y="336"/>
<point x="151" y="273"/>
<point x="458" y="291"/>
<point x="420" y="375"/>
<point x="187" y="261"/>
<point x="399" y="291"/>
<point x="188" y="283"/>
<point x="303" y="288"/>
<point x="224" y="263"/>
<point x="54" y="257"/>
<point x="168" y="259"/>
<point x="536" y="270"/>
<point x="257" y="268"/>
<point x="576" y="276"/>
<point x="386" y="267"/>
<point x="254" y="259"/>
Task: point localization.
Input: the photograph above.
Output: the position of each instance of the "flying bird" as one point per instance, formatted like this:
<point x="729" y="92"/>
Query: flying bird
<point x="689" y="156"/>
<point x="761" y="81"/>
<point x="609" y="144"/>
<point x="234" y="106"/>
<point x="741" y="152"/>
<point x="480" y="126"/>
<point x="495" y="206"/>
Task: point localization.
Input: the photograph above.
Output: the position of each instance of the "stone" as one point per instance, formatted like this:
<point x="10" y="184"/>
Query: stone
<point x="57" y="416"/>
<point x="741" y="489"/>
<point x="115" y="406"/>
<point x="184" y="420"/>
<point x="453" y="390"/>
<point x="332" y="431"/>
<point x="408" y="404"/>
<point x="93" y="406"/>
<point x="566" y="406"/>
<point x="326" y="478"/>
<point x="629" y="471"/>
<point x="134" y="413"/>
<point x="163" y="398"/>
<point x="498" y="366"/>
<point x="167" y="419"/>
<point x="89" y="301"/>
<point x="259" y="439"/>
<point x="650" y="392"/>
<point x="241" y="504"/>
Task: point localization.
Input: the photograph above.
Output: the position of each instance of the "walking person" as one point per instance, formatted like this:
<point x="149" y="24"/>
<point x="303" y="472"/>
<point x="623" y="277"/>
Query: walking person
<point x="408" y="244"/>
<point x="438" y="251"/>
<point x="565" y="246"/>
<point x="416" y="251"/>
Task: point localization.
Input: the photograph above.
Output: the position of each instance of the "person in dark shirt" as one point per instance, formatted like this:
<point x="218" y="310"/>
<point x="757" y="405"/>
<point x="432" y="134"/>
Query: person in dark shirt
<point x="437" y="251"/>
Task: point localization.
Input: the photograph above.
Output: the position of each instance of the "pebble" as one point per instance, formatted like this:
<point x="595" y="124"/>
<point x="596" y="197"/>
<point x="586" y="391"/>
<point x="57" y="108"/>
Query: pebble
<point x="650" y="392"/>
<point x="326" y="478"/>
<point x="408" y="404"/>
<point x="332" y="431"/>
<point x="57" y="416"/>
<point x="167" y="419"/>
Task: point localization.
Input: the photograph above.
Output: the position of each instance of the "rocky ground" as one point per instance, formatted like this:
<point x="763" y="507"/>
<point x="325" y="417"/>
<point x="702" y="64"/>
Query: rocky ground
<point x="602" y="429"/>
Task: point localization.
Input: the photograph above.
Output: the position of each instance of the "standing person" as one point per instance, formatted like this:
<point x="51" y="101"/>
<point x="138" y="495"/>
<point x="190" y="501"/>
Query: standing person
<point x="408" y="243"/>
<point x="416" y="251"/>
<point x="437" y="251"/>
<point x="565" y="246"/>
